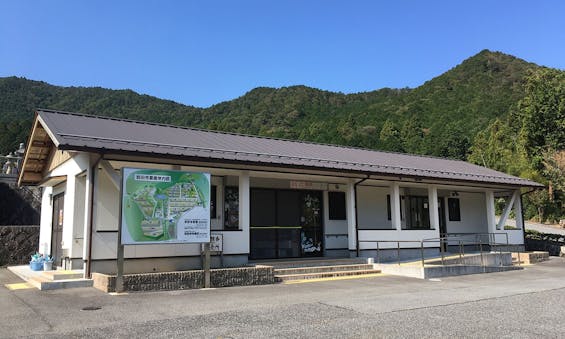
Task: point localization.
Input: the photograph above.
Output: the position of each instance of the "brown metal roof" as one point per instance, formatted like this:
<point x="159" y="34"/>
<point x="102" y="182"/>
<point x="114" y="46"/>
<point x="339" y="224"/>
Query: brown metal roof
<point x="74" y="131"/>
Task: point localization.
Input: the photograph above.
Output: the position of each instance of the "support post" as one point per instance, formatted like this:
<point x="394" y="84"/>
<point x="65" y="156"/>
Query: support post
<point x="351" y="222"/>
<point x="395" y="206"/>
<point x="120" y="263"/>
<point x="506" y="213"/>
<point x="491" y="217"/>
<point x="433" y="207"/>
<point x="244" y="205"/>
<point x="518" y="210"/>
<point x="206" y="265"/>
<point x="88" y="197"/>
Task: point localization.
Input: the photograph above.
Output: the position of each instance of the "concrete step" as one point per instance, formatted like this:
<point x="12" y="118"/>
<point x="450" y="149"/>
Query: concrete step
<point x="43" y="284"/>
<point x="327" y="274"/>
<point x="62" y="275"/>
<point x="279" y="264"/>
<point x="319" y="269"/>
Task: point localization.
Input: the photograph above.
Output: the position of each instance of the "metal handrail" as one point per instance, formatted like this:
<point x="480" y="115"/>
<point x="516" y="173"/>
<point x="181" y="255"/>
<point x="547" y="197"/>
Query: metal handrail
<point x="445" y="240"/>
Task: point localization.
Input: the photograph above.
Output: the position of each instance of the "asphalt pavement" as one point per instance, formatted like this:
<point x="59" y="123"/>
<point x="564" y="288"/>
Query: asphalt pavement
<point x="519" y="304"/>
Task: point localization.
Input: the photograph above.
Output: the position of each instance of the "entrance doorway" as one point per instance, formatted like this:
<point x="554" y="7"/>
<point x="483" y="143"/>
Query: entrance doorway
<point x="57" y="228"/>
<point x="285" y="224"/>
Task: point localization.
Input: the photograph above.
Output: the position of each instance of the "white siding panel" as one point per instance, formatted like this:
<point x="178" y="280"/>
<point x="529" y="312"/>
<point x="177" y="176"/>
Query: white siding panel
<point x="372" y="207"/>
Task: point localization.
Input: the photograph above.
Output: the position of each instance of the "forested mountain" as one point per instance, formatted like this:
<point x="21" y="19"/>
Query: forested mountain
<point x="484" y="110"/>
<point x="441" y="117"/>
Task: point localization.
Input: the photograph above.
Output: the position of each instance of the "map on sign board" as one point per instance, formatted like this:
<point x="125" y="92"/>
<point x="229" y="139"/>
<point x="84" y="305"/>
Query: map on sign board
<point x="161" y="206"/>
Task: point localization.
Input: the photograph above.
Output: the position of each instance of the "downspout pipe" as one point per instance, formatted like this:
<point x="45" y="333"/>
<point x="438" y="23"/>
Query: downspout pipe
<point x="357" y="212"/>
<point x="93" y="171"/>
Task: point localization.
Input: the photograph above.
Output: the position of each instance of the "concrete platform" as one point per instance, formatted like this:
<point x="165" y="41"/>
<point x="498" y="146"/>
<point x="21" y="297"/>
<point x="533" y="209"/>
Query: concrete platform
<point x="51" y="280"/>
<point x="452" y="266"/>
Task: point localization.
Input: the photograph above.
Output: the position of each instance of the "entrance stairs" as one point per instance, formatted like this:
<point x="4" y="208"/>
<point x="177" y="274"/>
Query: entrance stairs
<point x="51" y="280"/>
<point x="315" y="269"/>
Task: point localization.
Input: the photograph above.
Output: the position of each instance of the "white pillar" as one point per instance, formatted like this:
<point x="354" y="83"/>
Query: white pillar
<point x="87" y="215"/>
<point x="351" y="220"/>
<point x="244" y="205"/>
<point x="518" y="210"/>
<point x="433" y="207"/>
<point x="490" y="211"/>
<point x="395" y="206"/>
<point x="46" y="220"/>
<point x="69" y="216"/>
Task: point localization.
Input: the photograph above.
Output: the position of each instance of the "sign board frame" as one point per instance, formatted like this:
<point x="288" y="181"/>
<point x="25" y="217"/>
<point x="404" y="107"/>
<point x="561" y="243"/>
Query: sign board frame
<point x="149" y="216"/>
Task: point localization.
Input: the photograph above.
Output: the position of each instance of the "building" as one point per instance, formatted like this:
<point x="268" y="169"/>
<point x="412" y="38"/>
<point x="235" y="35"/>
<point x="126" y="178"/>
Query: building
<point x="271" y="198"/>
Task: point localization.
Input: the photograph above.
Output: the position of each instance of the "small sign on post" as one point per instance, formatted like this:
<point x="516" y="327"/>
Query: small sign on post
<point x="216" y="242"/>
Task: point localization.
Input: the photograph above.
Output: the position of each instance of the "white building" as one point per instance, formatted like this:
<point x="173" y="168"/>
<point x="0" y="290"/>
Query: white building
<point x="271" y="198"/>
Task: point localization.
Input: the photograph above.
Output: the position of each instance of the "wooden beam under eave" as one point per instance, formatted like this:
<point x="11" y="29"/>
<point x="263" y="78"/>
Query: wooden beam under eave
<point x="32" y="177"/>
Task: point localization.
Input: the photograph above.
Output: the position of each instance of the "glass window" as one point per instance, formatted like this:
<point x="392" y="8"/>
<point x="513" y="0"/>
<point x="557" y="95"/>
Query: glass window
<point x="388" y="211"/>
<point x="231" y="208"/>
<point x="263" y="207"/>
<point x="337" y="205"/>
<point x="454" y="209"/>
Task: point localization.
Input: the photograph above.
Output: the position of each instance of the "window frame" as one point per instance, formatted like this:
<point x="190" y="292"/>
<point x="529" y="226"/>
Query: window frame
<point x="453" y="210"/>
<point x="332" y="214"/>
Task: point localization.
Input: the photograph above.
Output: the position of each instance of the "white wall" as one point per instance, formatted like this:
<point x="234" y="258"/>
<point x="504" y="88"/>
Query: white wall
<point x="78" y="225"/>
<point x="335" y="231"/>
<point x="473" y="214"/>
<point x="70" y="168"/>
<point x="372" y="207"/>
<point x="414" y="236"/>
<point x="45" y="221"/>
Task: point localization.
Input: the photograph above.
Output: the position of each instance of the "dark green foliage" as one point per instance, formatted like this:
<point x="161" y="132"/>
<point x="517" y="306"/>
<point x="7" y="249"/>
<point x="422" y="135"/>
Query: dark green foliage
<point x="530" y="143"/>
<point x="439" y="118"/>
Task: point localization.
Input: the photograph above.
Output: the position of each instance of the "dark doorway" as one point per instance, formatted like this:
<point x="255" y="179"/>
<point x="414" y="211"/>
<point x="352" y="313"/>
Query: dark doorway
<point x="57" y="228"/>
<point x="285" y="223"/>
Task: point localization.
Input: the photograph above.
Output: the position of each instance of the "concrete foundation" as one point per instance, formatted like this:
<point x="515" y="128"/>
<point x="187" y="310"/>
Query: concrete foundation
<point x="242" y="276"/>
<point x="470" y="264"/>
<point x="167" y="264"/>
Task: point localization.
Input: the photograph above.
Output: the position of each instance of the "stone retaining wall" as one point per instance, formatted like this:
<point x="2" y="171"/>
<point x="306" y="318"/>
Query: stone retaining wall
<point x="225" y="277"/>
<point x="551" y="243"/>
<point x="18" y="243"/>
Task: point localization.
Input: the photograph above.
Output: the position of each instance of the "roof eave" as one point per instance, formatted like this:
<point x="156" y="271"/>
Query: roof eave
<point x="527" y="184"/>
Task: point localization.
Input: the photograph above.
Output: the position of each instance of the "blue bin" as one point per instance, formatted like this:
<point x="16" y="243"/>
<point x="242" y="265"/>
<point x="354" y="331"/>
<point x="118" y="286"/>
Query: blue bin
<point x="36" y="265"/>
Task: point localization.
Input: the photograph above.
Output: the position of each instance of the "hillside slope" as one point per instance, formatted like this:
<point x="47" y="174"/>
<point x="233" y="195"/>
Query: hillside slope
<point x="441" y="117"/>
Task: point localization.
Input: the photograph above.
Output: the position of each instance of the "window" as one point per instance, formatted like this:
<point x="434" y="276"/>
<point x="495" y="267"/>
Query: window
<point x="388" y="211"/>
<point x="231" y="208"/>
<point x="336" y="205"/>
<point x="417" y="212"/>
<point x="213" y="202"/>
<point x="454" y="209"/>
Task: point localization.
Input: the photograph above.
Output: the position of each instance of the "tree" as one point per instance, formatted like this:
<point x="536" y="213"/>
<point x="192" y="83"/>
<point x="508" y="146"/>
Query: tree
<point x="543" y="113"/>
<point x="390" y="137"/>
<point x="412" y="135"/>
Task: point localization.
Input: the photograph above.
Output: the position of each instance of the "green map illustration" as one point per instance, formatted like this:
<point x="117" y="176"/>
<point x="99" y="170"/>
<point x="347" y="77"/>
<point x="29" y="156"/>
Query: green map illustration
<point x="156" y="201"/>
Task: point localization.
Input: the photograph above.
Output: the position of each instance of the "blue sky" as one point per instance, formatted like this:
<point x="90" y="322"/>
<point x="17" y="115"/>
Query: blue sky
<point x="202" y="53"/>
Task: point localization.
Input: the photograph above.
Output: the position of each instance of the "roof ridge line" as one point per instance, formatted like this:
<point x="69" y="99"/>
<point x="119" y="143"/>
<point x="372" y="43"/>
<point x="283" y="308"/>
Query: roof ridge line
<point x="248" y="135"/>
